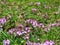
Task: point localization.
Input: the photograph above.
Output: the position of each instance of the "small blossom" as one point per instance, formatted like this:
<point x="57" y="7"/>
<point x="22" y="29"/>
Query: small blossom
<point x="51" y="42"/>
<point x="27" y="29"/>
<point x="45" y="43"/>
<point x="32" y="43"/>
<point x="34" y="24"/>
<point x="53" y="24"/>
<point x="46" y="29"/>
<point x="41" y="25"/>
<point x="28" y="43"/>
<point x="58" y="24"/>
<point x="18" y="33"/>
<point x="48" y="43"/>
<point x="38" y="3"/>
<point x="6" y="42"/>
<point x="27" y="21"/>
<point x="10" y="31"/>
<point x="2" y="20"/>
<point x="31" y="21"/>
<point x="34" y="10"/>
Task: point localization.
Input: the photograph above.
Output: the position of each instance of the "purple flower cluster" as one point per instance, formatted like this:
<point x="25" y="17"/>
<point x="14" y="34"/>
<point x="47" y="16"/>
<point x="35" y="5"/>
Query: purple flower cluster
<point x="31" y="43"/>
<point x="41" y="25"/>
<point x="54" y="24"/>
<point x="27" y="29"/>
<point x="20" y="30"/>
<point x="2" y="20"/>
<point x="48" y="43"/>
<point x="6" y="42"/>
<point x="46" y="29"/>
<point x="45" y="43"/>
<point x="33" y="22"/>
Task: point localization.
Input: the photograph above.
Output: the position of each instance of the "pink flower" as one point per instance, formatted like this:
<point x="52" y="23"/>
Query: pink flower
<point x="32" y="43"/>
<point x="36" y="43"/>
<point x="51" y="42"/>
<point x="48" y="43"/>
<point x="31" y="21"/>
<point x="34" y="10"/>
<point x="10" y="31"/>
<point x="6" y="42"/>
<point x="29" y="43"/>
<point x="46" y="29"/>
<point x="28" y="21"/>
<point x="27" y="29"/>
<point x="38" y="3"/>
<point x="58" y="25"/>
<point x="19" y="33"/>
<point x="41" y="25"/>
<point x="53" y="24"/>
<point x="45" y="43"/>
<point x="2" y="20"/>
<point x="34" y="24"/>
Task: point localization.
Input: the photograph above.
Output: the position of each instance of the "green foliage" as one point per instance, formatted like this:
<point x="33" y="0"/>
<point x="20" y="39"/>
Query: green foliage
<point x="21" y="6"/>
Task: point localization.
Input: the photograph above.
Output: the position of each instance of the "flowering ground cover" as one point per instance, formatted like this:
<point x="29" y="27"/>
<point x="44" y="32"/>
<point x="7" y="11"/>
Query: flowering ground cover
<point x="29" y="22"/>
